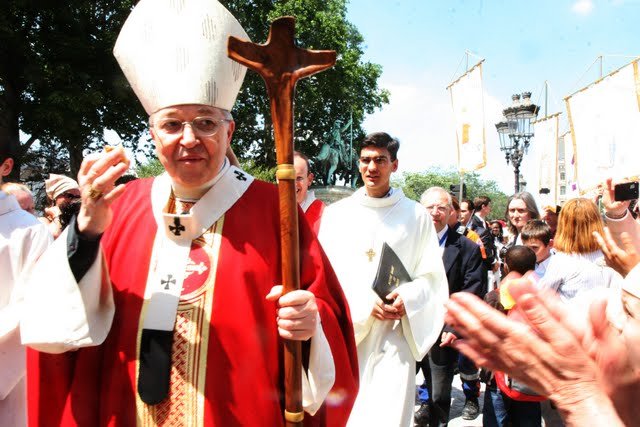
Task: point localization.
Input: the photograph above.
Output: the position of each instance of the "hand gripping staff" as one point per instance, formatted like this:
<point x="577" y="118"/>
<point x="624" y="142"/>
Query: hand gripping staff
<point x="281" y="64"/>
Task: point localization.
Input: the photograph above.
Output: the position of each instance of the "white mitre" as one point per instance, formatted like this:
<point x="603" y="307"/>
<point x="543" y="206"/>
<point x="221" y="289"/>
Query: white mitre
<point x="174" y="52"/>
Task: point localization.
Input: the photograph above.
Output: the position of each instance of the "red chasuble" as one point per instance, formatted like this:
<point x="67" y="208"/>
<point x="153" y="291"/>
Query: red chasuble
<point x="227" y="364"/>
<point x="314" y="215"/>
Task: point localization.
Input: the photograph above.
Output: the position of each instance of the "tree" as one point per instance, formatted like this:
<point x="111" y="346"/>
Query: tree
<point x="414" y="184"/>
<point x="349" y="88"/>
<point x="59" y="82"/>
<point x="61" y="86"/>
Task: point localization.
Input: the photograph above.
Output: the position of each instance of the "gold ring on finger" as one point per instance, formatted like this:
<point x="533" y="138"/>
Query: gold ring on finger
<point x="94" y="193"/>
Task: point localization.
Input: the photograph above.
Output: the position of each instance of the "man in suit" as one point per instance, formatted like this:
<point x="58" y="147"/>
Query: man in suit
<point x="463" y="266"/>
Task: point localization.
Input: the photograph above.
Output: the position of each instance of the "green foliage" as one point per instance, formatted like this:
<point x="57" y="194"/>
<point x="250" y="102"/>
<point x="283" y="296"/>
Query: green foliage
<point x="348" y="88"/>
<point x="258" y="171"/>
<point x="152" y="168"/>
<point x="415" y="183"/>
<point x="61" y="86"/>
<point x="59" y="81"/>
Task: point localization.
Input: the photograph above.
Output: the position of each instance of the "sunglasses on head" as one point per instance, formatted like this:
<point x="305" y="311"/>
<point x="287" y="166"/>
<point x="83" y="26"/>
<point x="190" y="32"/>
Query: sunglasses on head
<point x="69" y="195"/>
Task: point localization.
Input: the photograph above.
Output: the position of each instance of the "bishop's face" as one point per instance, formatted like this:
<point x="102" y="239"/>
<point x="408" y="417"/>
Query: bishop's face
<point x="376" y="168"/>
<point x="190" y="154"/>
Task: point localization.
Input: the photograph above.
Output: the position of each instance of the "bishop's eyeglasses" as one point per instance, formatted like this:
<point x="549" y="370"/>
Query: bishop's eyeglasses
<point x="201" y="126"/>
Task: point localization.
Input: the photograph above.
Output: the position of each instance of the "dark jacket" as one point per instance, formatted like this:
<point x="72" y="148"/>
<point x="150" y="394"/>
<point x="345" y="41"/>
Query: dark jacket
<point x="480" y="226"/>
<point x="463" y="266"/>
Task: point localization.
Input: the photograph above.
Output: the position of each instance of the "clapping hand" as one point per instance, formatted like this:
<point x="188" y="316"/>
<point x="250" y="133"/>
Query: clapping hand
<point x="620" y="259"/>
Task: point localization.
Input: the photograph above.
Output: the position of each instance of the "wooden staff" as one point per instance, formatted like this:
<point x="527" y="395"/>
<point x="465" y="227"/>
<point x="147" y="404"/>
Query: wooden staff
<point x="281" y="64"/>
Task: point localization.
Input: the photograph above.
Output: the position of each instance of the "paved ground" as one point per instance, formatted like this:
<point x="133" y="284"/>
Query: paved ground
<point x="550" y="416"/>
<point x="457" y="402"/>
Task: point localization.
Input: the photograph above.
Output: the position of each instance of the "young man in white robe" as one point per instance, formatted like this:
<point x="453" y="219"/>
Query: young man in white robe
<point x="22" y="240"/>
<point x="389" y="337"/>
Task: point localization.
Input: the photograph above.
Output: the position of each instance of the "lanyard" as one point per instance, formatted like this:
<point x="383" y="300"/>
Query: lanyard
<point x="443" y="238"/>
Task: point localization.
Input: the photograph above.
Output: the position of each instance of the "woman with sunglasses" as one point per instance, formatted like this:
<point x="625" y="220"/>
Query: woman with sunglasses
<point x="61" y="191"/>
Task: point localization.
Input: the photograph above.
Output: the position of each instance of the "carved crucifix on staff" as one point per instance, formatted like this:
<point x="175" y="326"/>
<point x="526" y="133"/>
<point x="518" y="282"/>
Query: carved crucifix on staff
<point x="281" y="64"/>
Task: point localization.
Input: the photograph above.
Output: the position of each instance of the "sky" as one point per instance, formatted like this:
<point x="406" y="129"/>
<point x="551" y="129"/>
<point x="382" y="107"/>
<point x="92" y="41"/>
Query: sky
<point x="421" y="46"/>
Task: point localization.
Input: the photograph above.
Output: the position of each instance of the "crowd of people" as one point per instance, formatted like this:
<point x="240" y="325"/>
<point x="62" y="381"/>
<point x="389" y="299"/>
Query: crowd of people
<point x="158" y="301"/>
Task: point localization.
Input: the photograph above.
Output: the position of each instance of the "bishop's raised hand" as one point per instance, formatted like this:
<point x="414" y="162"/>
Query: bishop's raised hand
<point x="97" y="177"/>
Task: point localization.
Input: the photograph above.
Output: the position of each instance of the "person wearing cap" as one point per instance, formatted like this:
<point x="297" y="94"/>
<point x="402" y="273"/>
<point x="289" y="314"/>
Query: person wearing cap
<point x="61" y="191"/>
<point x="163" y="295"/>
<point x="22" y="240"/>
<point x="306" y="198"/>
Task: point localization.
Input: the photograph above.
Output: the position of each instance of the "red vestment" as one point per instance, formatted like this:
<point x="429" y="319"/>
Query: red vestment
<point x="240" y="379"/>
<point x="314" y="214"/>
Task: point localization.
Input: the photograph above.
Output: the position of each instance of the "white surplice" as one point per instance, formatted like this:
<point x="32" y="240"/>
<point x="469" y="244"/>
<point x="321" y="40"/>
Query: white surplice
<point x="22" y="240"/>
<point x="387" y="350"/>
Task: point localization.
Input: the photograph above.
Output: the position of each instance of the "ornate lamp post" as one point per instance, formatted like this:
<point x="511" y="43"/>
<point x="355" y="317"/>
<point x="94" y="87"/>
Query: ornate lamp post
<point x="516" y="132"/>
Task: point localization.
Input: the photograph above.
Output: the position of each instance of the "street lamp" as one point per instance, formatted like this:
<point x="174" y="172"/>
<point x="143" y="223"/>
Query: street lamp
<point x="516" y="132"/>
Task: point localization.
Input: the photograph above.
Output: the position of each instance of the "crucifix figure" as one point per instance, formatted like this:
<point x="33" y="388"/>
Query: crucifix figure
<point x="176" y="228"/>
<point x="281" y="64"/>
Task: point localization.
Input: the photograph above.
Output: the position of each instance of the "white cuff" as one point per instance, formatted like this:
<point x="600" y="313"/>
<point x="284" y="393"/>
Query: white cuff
<point x="58" y="314"/>
<point x="318" y="380"/>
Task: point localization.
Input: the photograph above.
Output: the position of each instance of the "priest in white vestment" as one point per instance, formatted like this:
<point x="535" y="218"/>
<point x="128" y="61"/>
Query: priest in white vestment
<point x="22" y="240"/>
<point x="389" y="337"/>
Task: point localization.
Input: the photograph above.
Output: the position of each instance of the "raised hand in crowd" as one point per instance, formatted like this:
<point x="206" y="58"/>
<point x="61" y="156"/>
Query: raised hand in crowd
<point x="97" y="177"/>
<point x="612" y="208"/>
<point x="546" y="352"/>
<point x="620" y="259"/>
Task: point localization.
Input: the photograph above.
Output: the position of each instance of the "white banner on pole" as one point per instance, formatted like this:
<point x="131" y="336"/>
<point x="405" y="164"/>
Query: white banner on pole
<point x="540" y="163"/>
<point x="546" y="142"/>
<point x="468" y="114"/>
<point x="605" y="126"/>
<point x="571" y="187"/>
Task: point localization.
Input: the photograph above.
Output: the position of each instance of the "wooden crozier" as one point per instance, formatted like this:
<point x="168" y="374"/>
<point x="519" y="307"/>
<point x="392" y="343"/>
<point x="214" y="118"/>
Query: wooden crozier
<point x="281" y="64"/>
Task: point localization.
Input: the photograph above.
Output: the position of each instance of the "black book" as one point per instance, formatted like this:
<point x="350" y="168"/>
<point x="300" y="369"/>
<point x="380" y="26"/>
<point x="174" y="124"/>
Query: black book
<point x="391" y="273"/>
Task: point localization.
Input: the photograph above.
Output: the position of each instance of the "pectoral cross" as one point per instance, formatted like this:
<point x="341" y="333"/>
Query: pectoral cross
<point x="370" y="253"/>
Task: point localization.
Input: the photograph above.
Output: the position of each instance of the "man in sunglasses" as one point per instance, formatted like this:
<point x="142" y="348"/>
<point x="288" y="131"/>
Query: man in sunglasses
<point x="171" y="283"/>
